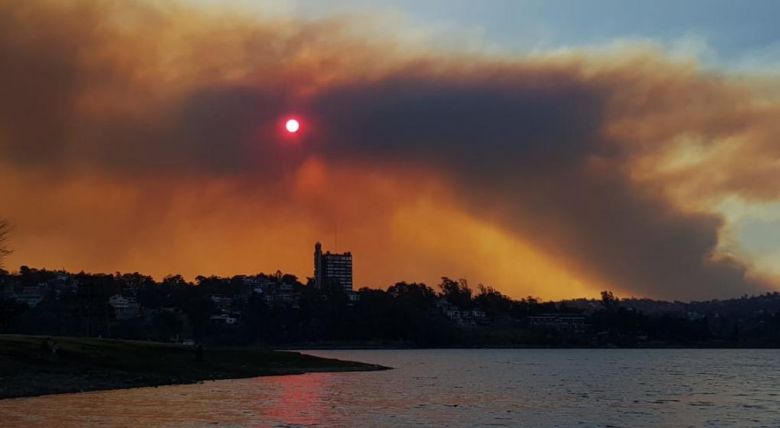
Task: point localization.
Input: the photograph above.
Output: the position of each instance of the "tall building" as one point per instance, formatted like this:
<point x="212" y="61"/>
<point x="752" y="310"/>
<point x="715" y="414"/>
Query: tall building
<point x="332" y="268"/>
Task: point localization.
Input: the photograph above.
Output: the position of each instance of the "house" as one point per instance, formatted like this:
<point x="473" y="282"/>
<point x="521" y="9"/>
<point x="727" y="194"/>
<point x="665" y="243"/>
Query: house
<point x="124" y="308"/>
<point x="477" y="315"/>
<point x="223" y="319"/>
<point x="560" y="322"/>
<point x="286" y="298"/>
<point x="222" y="303"/>
<point x="461" y="316"/>
<point x="449" y="310"/>
<point x="32" y="295"/>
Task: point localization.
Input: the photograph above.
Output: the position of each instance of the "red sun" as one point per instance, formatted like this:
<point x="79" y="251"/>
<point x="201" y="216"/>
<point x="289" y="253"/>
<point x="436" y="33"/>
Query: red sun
<point x="292" y="126"/>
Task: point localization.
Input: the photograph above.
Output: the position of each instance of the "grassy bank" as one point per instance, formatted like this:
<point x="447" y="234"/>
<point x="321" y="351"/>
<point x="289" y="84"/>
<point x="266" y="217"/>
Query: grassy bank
<point x="28" y="367"/>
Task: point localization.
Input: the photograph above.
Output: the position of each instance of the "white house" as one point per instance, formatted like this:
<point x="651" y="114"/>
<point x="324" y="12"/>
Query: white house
<point x="124" y="308"/>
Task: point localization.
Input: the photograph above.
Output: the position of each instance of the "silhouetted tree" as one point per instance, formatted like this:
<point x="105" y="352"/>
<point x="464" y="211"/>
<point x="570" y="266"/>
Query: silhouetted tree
<point x="492" y="302"/>
<point x="173" y="280"/>
<point x="608" y="300"/>
<point x="457" y="293"/>
<point x="278" y="309"/>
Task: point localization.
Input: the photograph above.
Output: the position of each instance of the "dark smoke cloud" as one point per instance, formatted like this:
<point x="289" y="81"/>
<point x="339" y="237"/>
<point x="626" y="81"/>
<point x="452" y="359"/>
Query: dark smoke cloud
<point x="550" y="150"/>
<point x="531" y="145"/>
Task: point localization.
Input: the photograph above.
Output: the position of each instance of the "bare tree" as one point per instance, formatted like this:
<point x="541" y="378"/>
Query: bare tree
<point x="5" y="231"/>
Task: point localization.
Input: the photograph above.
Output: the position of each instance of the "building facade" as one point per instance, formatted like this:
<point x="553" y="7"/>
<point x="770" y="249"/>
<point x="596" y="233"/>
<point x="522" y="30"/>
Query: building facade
<point x="124" y="308"/>
<point x="332" y="269"/>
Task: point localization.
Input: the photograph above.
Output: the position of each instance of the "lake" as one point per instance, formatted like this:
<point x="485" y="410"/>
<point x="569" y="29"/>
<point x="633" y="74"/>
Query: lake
<point x="470" y="387"/>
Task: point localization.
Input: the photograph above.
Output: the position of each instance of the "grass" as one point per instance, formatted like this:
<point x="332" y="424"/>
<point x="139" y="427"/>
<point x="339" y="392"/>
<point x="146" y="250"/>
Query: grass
<point x="88" y="364"/>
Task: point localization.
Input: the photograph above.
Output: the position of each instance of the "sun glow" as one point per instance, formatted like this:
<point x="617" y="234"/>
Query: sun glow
<point x="292" y="126"/>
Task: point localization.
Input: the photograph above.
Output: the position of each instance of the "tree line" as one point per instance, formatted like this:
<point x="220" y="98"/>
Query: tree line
<point x="279" y="309"/>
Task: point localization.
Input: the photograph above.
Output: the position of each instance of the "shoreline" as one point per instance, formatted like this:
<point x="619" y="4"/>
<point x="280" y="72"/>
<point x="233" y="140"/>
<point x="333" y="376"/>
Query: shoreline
<point x="121" y="385"/>
<point x="28" y="369"/>
<point x="304" y="347"/>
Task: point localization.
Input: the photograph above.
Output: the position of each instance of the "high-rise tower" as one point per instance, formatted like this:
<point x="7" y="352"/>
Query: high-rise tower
<point x="332" y="269"/>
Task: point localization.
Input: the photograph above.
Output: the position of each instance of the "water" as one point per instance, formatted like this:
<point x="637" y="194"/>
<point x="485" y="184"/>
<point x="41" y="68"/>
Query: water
<point x="534" y="387"/>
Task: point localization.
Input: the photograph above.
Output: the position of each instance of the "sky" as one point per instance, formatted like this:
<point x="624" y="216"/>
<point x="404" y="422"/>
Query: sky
<point x="545" y="148"/>
<point x="721" y="33"/>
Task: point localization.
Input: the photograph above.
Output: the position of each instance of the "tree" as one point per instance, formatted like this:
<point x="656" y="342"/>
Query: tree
<point x="608" y="300"/>
<point x="5" y="231"/>
<point x="173" y="280"/>
<point x="492" y="302"/>
<point x="457" y="293"/>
